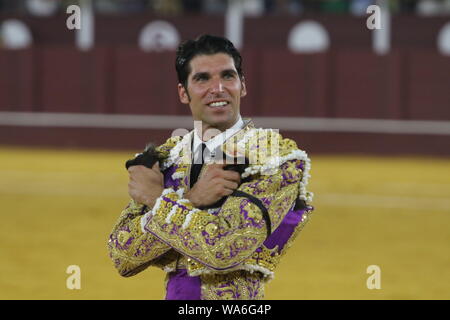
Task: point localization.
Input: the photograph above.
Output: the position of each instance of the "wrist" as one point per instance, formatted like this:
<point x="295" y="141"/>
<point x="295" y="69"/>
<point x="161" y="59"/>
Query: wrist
<point x="192" y="199"/>
<point x="150" y="199"/>
<point x="149" y="202"/>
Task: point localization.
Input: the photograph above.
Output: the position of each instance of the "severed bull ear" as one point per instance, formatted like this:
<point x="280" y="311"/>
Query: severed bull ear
<point x="147" y="158"/>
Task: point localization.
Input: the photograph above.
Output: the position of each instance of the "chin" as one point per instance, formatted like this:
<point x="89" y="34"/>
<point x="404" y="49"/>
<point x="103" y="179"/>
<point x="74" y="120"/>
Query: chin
<point x="221" y="122"/>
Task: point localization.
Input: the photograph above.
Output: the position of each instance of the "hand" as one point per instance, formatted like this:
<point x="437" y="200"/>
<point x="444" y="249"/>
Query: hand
<point x="145" y="184"/>
<point x="214" y="184"/>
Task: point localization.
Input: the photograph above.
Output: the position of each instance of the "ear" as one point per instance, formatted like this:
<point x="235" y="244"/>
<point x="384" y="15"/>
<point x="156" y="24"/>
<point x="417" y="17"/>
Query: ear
<point x="183" y="94"/>
<point x="243" y="88"/>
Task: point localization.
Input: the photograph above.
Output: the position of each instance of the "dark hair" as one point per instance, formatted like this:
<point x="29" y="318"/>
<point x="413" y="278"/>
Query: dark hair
<point x="205" y="44"/>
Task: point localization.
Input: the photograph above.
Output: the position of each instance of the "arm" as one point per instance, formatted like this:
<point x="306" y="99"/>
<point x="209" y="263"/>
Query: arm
<point x="131" y="250"/>
<point x="224" y="240"/>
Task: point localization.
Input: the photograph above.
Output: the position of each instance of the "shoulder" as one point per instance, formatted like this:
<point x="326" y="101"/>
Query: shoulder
<point x="175" y="150"/>
<point x="286" y="145"/>
<point x="267" y="150"/>
<point x="269" y="144"/>
<point x="165" y="148"/>
<point x="271" y="155"/>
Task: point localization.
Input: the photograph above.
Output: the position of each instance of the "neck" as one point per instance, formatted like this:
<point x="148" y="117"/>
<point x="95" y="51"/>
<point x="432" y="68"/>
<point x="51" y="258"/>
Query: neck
<point x="209" y="131"/>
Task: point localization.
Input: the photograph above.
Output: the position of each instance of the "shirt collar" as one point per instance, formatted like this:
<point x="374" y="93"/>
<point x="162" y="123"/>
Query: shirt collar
<point x="213" y="143"/>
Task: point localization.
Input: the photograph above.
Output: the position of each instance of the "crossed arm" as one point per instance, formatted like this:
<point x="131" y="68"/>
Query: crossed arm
<point x="219" y="241"/>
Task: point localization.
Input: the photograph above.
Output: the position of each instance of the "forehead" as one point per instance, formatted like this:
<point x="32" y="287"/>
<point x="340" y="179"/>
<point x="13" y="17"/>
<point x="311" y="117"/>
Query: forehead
<point x="214" y="63"/>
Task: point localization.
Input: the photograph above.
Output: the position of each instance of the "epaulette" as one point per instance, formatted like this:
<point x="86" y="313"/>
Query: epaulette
<point x="164" y="149"/>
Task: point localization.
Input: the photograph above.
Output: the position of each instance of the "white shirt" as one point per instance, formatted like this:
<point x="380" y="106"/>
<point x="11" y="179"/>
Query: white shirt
<point x="215" y="142"/>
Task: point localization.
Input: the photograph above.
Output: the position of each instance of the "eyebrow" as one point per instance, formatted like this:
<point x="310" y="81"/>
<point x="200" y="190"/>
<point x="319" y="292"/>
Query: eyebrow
<point x="198" y="75"/>
<point x="207" y="74"/>
<point x="229" y="71"/>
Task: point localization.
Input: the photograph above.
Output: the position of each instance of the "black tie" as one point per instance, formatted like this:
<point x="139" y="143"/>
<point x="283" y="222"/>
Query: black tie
<point x="197" y="166"/>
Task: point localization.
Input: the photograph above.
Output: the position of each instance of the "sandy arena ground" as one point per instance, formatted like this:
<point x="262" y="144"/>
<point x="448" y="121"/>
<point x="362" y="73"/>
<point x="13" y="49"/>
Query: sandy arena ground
<point x="58" y="207"/>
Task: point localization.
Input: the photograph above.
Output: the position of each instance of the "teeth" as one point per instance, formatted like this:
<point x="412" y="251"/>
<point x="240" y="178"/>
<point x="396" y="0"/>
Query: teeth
<point x="218" y="104"/>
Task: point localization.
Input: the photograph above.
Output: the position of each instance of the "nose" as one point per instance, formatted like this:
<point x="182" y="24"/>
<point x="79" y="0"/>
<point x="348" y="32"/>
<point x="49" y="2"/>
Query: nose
<point x="217" y="86"/>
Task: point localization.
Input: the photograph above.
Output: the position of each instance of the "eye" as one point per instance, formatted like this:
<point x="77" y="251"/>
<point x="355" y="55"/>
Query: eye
<point x="201" y="77"/>
<point x="229" y="75"/>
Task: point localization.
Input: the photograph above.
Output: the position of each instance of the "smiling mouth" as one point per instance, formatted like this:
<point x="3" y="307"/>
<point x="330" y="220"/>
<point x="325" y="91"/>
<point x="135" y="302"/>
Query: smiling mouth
<point x="218" y="104"/>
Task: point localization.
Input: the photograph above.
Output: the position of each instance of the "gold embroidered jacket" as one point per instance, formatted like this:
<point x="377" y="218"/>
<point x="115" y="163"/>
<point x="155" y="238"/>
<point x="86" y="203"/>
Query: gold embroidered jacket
<point x="228" y="240"/>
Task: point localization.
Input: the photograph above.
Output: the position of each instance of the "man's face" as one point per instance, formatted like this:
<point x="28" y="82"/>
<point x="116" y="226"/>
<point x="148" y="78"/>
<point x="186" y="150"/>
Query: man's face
<point x="214" y="90"/>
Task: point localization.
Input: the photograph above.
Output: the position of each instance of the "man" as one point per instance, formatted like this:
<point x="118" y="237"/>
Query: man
<point x="217" y="229"/>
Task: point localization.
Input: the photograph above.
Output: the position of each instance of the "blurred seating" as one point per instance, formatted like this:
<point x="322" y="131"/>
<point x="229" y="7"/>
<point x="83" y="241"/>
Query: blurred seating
<point x="42" y="8"/>
<point x="446" y="7"/>
<point x="359" y="7"/>
<point x="120" y="6"/>
<point x="192" y="6"/>
<point x="215" y="6"/>
<point x="429" y="7"/>
<point x="335" y="6"/>
<point x="251" y="7"/>
<point x="166" y="7"/>
<point x="254" y="8"/>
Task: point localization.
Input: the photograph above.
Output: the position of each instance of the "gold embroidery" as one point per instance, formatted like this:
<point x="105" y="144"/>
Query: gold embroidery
<point x="238" y="234"/>
<point x="164" y="149"/>
<point x="236" y="285"/>
<point x="222" y="246"/>
<point x="130" y="249"/>
<point x="168" y="261"/>
<point x="227" y="239"/>
<point x="267" y="258"/>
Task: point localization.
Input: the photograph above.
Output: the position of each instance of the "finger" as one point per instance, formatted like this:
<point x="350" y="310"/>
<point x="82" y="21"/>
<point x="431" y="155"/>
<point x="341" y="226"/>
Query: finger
<point x="141" y="170"/>
<point x="133" y="183"/>
<point x="231" y="175"/>
<point x="137" y="170"/>
<point x="212" y="171"/>
<point x="155" y="176"/>
<point x="227" y="192"/>
<point x="135" y="175"/>
<point x="230" y="184"/>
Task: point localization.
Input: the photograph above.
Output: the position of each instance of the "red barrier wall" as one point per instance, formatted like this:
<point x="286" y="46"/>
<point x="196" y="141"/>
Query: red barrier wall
<point x="345" y="83"/>
<point x="17" y="80"/>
